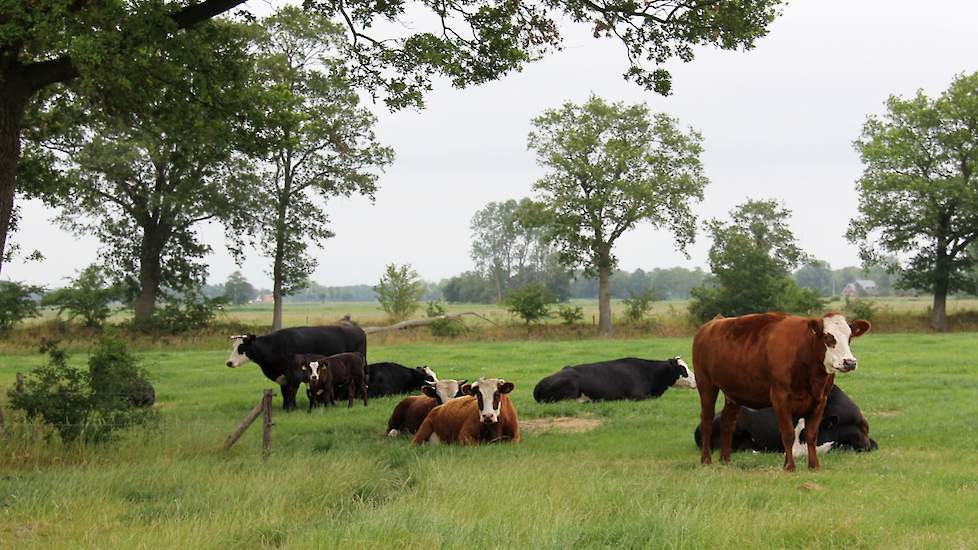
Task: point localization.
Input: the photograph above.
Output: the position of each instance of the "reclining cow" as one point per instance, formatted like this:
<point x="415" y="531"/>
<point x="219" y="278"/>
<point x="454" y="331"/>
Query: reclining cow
<point x="843" y="425"/>
<point x="274" y="352"/>
<point x="627" y="378"/>
<point x="392" y="379"/>
<point x="484" y="415"/>
<point x="411" y="411"/>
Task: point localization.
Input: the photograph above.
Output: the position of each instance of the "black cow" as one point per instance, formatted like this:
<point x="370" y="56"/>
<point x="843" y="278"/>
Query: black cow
<point x="391" y="378"/>
<point x="757" y="429"/>
<point x="274" y="352"/>
<point x="627" y="378"/>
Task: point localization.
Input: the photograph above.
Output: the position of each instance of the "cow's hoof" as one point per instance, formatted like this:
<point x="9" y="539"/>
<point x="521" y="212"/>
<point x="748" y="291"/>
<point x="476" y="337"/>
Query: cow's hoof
<point x="393" y="433"/>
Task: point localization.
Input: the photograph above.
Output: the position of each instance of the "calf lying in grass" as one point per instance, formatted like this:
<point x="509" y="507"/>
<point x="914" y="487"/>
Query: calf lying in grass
<point x="411" y="411"/>
<point x="484" y="415"/>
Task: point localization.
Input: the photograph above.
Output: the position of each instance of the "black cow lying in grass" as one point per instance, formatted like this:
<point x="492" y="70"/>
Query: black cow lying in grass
<point x="843" y="425"/>
<point x="627" y="378"/>
<point x="392" y="378"/>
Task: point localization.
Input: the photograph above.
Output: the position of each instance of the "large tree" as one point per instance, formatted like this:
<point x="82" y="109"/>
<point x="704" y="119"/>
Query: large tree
<point x="141" y="163"/>
<point x="469" y="42"/>
<point x="918" y="195"/>
<point x="316" y="142"/>
<point x="609" y="167"/>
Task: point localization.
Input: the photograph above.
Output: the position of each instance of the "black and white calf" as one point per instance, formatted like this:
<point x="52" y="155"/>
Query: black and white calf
<point x="274" y="352"/>
<point x="627" y="378"/>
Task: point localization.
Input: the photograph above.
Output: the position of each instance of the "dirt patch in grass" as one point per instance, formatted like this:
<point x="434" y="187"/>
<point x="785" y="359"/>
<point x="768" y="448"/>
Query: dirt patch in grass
<point x="572" y="424"/>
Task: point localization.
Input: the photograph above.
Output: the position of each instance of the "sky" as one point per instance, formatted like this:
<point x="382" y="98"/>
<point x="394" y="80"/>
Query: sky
<point x="777" y="122"/>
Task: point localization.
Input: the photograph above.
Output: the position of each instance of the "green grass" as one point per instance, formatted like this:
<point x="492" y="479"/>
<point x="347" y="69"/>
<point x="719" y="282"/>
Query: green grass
<point x="334" y="480"/>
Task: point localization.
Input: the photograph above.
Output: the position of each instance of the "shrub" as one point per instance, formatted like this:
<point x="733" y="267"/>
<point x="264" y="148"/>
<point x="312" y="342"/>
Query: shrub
<point x="88" y="296"/>
<point x="191" y="311"/>
<point x="570" y="314"/>
<point x="857" y="308"/>
<point x="638" y="304"/>
<point x="448" y="328"/>
<point x="90" y="406"/>
<point x="779" y="295"/>
<point x="399" y="291"/>
<point x="531" y="302"/>
<point x="17" y="303"/>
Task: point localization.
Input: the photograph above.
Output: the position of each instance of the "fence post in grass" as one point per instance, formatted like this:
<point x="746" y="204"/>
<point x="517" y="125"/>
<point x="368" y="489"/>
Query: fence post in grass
<point x="236" y="434"/>
<point x="20" y="382"/>
<point x="266" y="440"/>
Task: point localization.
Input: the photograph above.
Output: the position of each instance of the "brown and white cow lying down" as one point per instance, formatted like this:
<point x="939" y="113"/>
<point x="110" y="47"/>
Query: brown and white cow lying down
<point x="484" y="415"/>
<point x="411" y="411"/>
<point x="771" y="360"/>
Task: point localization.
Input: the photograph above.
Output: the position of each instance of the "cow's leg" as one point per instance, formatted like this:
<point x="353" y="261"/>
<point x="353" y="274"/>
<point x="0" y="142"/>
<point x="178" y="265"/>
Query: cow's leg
<point x="363" y="389"/>
<point x="708" y="402"/>
<point x="288" y="395"/>
<point x="351" y="390"/>
<point x="813" y="423"/>
<point x="728" y="420"/>
<point x="786" y="425"/>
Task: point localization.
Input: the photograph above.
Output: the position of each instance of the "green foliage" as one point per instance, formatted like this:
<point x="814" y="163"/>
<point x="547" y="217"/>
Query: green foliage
<point x="237" y="289"/>
<point x="858" y="308"/>
<point x="17" y="303"/>
<point x="399" y="291"/>
<point x="190" y="311"/>
<point x="531" y="302"/>
<point x="89" y="297"/>
<point x="447" y="328"/>
<point x="917" y="195"/>
<point x="638" y="304"/>
<point x="90" y="406"/>
<point x="815" y="275"/>
<point x="570" y="314"/>
<point x="751" y="259"/>
<point x="469" y="287"/>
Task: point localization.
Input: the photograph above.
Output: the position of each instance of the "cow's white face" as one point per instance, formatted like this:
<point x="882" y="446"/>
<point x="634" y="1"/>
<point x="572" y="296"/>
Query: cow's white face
<point x="443" y="391"/>
<point x="837" y="334"/>
<point x="686" y="378"/>
<point x="430" y="373"/>
<point x="314" y="371"/>
<point x="489" y="392"/>
<point x="237" y="357"/>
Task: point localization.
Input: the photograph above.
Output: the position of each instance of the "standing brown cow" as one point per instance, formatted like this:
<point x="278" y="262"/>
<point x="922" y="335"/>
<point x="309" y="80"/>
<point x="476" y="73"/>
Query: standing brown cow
<point x="771" y="360"/>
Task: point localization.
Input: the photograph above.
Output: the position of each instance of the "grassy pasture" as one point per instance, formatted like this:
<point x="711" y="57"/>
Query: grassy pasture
<point x="333" y="480"/>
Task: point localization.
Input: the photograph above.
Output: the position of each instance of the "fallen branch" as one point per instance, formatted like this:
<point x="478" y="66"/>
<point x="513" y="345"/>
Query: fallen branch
<point x="425" y="322"/>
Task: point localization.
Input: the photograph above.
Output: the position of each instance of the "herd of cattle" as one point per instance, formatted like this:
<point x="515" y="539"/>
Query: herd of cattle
<point x="776" y="371"/>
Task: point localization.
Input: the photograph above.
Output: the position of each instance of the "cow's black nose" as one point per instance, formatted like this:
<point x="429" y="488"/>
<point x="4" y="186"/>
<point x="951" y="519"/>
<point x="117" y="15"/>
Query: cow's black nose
<point x="230" y="364"/>
<point x="849" y="364"/>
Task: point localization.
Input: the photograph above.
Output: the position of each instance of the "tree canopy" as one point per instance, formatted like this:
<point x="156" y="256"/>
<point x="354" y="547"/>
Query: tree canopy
<point x="918" y="194"/>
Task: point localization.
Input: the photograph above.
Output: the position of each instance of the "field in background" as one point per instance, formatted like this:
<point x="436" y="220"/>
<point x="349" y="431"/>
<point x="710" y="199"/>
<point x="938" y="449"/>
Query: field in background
<point x="633" y="481"/>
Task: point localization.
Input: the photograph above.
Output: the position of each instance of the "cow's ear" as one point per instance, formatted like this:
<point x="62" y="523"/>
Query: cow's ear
<point x="817" y="326"/>
<point x="468" y="389"/>
<point x="430" y="391"/>
<point x="859" y="327"/>
<point x="506" y="387"/>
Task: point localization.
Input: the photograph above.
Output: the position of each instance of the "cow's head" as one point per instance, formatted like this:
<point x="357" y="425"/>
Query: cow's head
<point x="311" y="369"/>
<point x="239" y="350"/>
<point x="443" y="391"/>
<point x="426" y="374"/>
<point x="835" y="333"/>
<point x="685" y="374"/>
<point x="489" y="392"/>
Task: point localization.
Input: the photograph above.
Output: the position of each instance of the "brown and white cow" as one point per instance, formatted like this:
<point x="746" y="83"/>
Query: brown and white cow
<point x="773" y="360"/>
<point x="484" y="415"/>
<point x="411" y="411"/>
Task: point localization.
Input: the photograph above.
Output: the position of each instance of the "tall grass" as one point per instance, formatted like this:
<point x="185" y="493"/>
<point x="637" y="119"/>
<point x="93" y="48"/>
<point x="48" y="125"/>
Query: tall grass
<point x="334" y="480"/>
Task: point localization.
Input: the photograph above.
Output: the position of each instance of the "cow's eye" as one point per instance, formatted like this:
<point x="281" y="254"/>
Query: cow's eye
<point x="830" y="340"/>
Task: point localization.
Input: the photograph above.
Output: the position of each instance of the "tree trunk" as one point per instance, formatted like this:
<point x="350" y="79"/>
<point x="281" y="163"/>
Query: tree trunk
<point x="938" y="318"/>
<point x="278" y="267"/>
<point x="150" y="273"/>
<point x="14" y="96"/>
<point x="604" y="294"/>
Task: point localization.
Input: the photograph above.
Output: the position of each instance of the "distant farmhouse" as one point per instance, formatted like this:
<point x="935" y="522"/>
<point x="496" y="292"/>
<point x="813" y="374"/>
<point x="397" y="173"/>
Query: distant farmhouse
<point x="860" y="288"/>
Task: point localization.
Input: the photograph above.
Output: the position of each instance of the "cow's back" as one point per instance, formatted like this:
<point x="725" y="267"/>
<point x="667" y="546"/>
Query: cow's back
<point x="448" y="420"/>
<point x="618" y="379"/>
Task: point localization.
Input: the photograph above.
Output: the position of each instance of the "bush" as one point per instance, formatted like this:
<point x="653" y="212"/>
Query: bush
<point x="570" y="314"/>
<point x="857" y="308"/>
<point x="399" y="291"/>
<point x="17" y="303"/>
<point x="638" y="304"/>
<point x="531" y="302"/>
<point x="779" y="295"/>
<point x="448" y="328"/>
<point x="88" y="296"/>
<point x="92" y="406"/>
<point x="192" y="311"/>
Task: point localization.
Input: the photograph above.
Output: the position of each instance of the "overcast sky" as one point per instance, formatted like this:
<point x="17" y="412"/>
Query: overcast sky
<point x="777" y="121"/>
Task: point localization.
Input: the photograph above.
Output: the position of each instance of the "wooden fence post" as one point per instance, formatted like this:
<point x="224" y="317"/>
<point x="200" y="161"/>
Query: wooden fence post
<point x="236" y="434"/>
<point x="20" y="382"/>
<point x="266" y="440"/>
